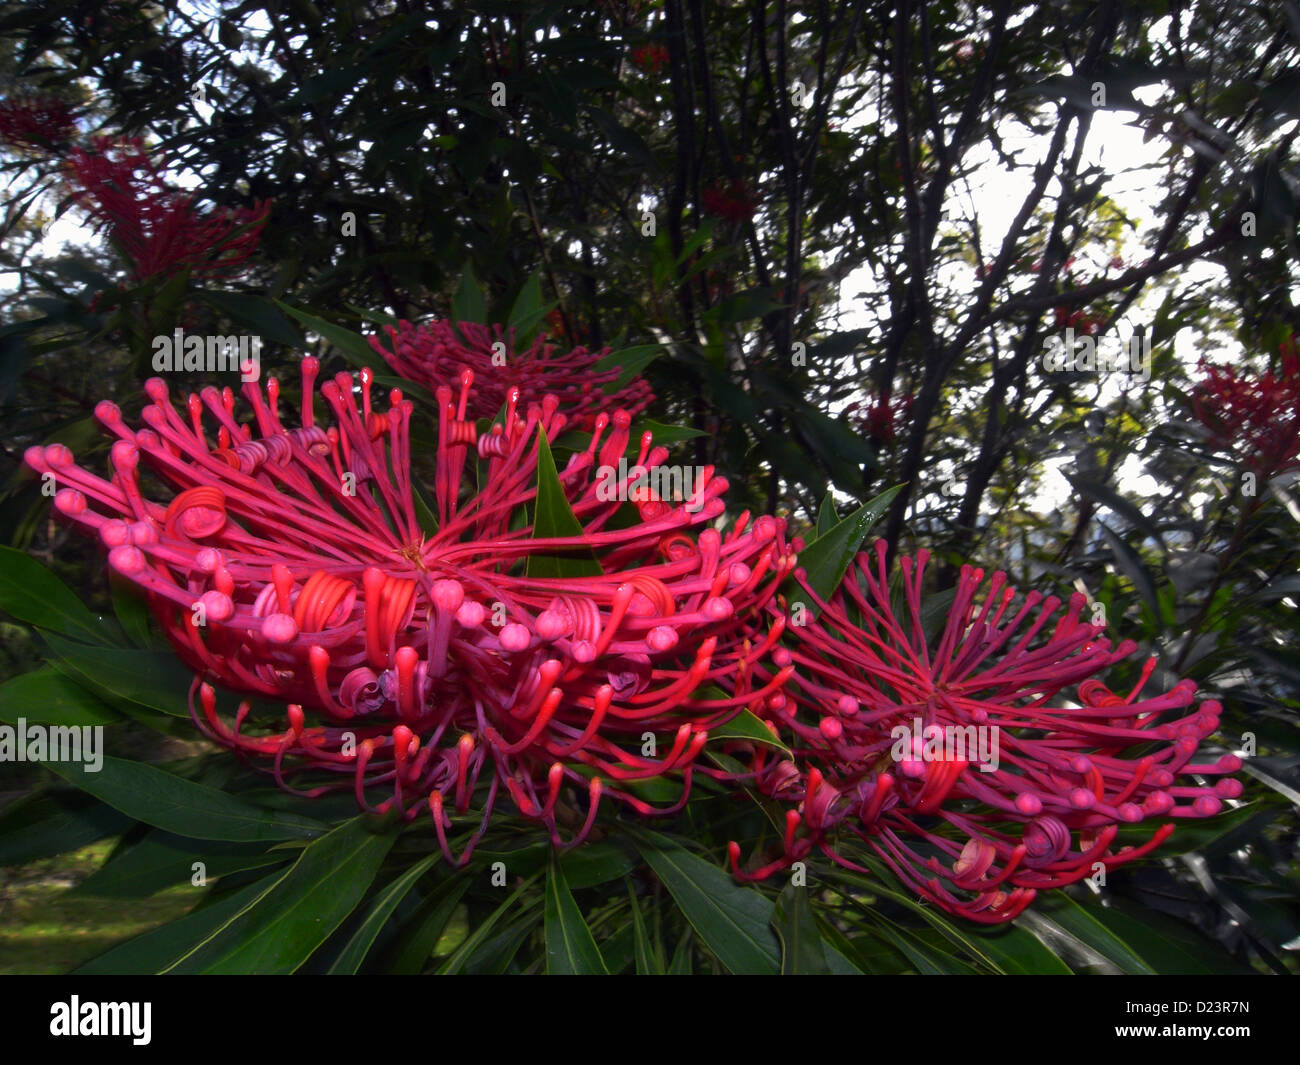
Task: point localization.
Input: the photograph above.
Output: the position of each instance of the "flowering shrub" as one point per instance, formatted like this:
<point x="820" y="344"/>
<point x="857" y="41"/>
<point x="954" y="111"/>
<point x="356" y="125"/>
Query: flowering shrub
<point x="155" y="227"/>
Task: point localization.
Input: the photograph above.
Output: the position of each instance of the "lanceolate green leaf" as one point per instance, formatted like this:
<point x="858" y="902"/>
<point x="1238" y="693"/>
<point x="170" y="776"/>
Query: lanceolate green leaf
<point x="554" y="518"/>
<point x="31" y="593"/>
<point x="827" y="559"/>
<point x="827" y="518"/>
<point x="159" y="949"/>
<point x="570" y="948"/>
<point x="802" y="951"/>
<point x="360" y="942"/>
<point x="166" y="801"/>
<point x="54" y="821"/>
<point x="282" y="928"/>
<point x="352" y="345"/>
<point x="46" y="696"/>
<point x="745" y="726"/>
<point x="733" y="921"/>
<point x="467" y="305"/>
<point x="154" y="679"/>
<point x="162" y="860"/>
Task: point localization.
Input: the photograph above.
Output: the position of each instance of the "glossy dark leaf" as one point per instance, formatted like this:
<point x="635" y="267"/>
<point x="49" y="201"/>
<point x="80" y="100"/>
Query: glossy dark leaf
<point x="733" y="921"/>
<point x="570" y="948"/>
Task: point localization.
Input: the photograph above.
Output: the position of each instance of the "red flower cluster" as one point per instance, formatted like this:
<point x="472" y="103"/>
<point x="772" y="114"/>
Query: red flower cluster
<point x="650" y="58"/>
<point x="35" y="122"/>
<point x="1079" y="321"/>
<point x="985" y="761"/>
<point x="732" y="201"/>
<point x="155" y="227"/>
<point x="880" y="419"/>
<point x="1254" y="417"/>
<point x="437" y="354"/>
<point x="433" y="652"/>
<point x="434" y="659"/>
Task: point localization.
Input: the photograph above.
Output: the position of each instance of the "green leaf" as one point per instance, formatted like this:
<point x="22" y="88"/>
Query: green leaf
<point x="630" y="361"/>
<point x="570" y="948"/>
<point x="648" y="960"/>
<point x="147" y="678"/>
<point x="259" y="313"/>
<point x="826" y="516"/>
<point x="31" y="593"/>
<point x="801" y="942"/>
<point x="359" y="943"/>
<point x="928" y="960"/>
<point x="827" y="559"/>
<point x="428" y="925"/>
<point x="1109" y="497"/>
<point x="481" y="932"/>
<point x="54" y="821"/>
<point x="45" y="696"/>
<point x="745" y="726"/>
<point x="467" y="305"/>
<point x="527" y="312"/>
<point x="284" y="926"/>
<point x="131" y="609"/>
<point x="1130" y="563"/>
<point x="555" y="518"/>
<point x="159" y="949"/>
<point x="166" y="801"/>
<point x="733" y="921"/>
<point x="162" y="860"/>
<point x="1090" y="925"/>
<point x="351" y="345"/>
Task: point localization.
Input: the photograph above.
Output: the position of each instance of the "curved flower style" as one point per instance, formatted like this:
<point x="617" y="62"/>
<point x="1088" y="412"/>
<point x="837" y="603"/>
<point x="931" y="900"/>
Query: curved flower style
<point x="156" y="227"/>
<point x="1255" y="417"/>
<point x="986" y="762"/>
<point x="35" y="122"/>
<point x="291" y="563"/>
<point x="434" y="355"/>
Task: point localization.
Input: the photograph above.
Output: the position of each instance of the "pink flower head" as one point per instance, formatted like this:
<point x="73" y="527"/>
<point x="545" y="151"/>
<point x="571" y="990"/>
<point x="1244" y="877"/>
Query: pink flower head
<point x="1255" y="417"/>
<point x="156" y="227"/>
<point x="416" y="660"/>
<point x="434" y="355"/>
<point x="35" y="122"/>
<point x="986" y="761"/>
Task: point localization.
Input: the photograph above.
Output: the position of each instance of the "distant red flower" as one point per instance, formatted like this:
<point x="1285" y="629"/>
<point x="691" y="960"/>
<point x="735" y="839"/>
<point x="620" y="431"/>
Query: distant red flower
<point x="879" y="420"/>
<point x="1080" y="321"/>
<point x="157" y="228"/>
<point x="1254" y="417"/>
<point x="417" y="662"/>
<point x="435" y="354"/>
<point x="873" y="699"/>
<point x="732" y="201"/>
<point x="35" y="122"/>
<point x="650" y="58"/>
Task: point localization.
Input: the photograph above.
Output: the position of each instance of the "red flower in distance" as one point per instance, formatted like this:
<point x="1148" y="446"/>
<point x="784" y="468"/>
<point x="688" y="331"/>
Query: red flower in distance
<point x="1254" y="417"/>
<point x="436" y="354"/>
<point x="879" y="420"/>
<point x="732" y="201"/>
<point x="36" y="122"/>
<point x="650" y="58"/>
<point x="432" y="659"/>
<point x="892" y="729"/>
<point x="157" y="228"/>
